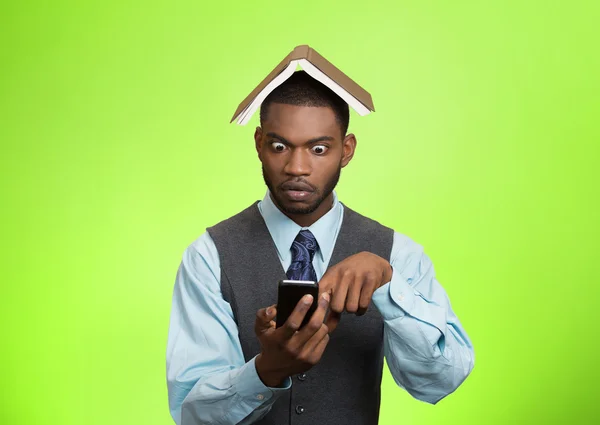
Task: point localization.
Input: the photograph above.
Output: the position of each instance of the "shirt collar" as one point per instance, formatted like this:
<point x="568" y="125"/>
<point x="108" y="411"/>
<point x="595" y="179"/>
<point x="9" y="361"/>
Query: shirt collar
<point x="284" y="230"/>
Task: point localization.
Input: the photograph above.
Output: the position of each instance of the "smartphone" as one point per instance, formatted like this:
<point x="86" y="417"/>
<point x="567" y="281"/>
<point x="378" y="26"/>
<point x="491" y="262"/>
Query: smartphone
<point x="289" y="293"/>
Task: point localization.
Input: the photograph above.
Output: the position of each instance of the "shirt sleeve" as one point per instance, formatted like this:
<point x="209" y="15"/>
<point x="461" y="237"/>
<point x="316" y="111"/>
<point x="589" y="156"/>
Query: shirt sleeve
<point x="426" y="347"/>
<point x="207" y="378"/>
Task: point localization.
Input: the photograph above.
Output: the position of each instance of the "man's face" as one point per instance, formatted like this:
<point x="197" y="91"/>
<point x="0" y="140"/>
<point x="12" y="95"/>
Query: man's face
<point x="302" y="154"/>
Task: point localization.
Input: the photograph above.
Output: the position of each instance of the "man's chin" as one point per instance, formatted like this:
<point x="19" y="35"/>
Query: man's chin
<point x="296" y="207"/>
<point x="299" y="210"/>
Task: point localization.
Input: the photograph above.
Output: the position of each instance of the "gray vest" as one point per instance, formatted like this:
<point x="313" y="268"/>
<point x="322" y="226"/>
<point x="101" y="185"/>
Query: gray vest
<point x="344" y="387"/>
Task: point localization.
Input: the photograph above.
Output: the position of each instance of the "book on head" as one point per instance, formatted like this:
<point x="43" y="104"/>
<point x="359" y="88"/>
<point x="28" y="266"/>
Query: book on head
<point x="317" y="67"/>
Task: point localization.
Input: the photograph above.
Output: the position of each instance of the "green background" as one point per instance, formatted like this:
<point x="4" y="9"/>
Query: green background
<point x="117" y="153"/>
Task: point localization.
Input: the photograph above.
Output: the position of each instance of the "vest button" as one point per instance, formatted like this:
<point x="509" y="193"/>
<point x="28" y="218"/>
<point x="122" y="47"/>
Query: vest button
<point x="299" y="409"/>
<point x="302" y="376"/>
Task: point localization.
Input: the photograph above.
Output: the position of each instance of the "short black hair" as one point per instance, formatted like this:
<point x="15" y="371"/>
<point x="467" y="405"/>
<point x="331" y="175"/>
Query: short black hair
<point x="303" y="90"/>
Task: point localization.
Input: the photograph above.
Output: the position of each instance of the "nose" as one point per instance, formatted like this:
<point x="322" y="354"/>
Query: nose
<point x="298" y="163"/>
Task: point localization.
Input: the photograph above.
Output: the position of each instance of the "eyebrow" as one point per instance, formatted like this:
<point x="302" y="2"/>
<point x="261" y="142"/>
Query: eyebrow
<point x="315" y="140"/>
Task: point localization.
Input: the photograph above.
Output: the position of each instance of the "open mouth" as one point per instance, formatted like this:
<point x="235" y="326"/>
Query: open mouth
<point x="296" y="191"/>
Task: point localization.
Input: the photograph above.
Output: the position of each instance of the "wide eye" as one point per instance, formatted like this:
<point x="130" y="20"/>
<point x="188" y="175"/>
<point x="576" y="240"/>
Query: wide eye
<point x="319" y="149"/>
<point x="278" y="147"/>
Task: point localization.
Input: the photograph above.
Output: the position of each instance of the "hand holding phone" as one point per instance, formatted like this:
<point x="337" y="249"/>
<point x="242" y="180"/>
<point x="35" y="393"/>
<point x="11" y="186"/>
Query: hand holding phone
<point x="288" y="350"/>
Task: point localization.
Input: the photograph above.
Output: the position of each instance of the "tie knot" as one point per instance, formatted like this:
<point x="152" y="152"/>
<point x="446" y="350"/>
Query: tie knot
<point x="305" y="244"/>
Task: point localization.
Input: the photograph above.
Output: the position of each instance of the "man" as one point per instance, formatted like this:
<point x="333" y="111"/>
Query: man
<point x="227" y="363"/>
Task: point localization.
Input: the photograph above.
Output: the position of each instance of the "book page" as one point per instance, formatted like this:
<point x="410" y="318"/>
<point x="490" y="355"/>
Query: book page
<point x="318" y="75"/>
<point x="247" y="113"/>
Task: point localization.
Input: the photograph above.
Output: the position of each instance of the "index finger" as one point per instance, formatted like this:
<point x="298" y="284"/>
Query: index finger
<point x="332" y="320"/>
<point x="327" y="281"/>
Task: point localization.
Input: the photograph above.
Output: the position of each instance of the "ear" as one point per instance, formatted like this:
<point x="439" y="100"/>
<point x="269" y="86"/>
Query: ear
<point x="348" y="146"/>
<point x="258" y="141"/>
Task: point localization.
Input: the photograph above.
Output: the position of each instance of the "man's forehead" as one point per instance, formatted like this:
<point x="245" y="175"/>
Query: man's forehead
<point x="296" y="118"/>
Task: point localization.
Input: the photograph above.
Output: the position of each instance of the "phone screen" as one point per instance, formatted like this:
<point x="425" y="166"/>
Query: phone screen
<point x="290" y="292"/>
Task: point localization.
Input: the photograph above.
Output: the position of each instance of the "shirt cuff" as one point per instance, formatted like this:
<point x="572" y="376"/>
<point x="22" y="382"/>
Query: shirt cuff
<point x="394" y="299"/>
<point x="397" y="299"/>
<point x="250" y="387"/>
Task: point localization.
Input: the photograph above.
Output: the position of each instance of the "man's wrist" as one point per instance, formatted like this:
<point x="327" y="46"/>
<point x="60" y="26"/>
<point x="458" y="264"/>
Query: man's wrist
<point x="387" y="272"/>
<point x="268" y="378"/>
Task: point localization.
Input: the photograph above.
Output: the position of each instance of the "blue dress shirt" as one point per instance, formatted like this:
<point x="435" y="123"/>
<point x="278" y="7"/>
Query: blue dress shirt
<point x="426" y="348"/>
